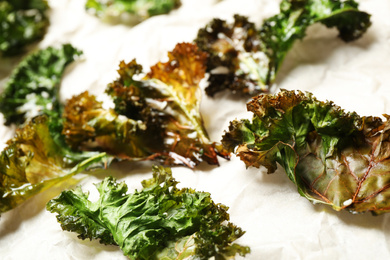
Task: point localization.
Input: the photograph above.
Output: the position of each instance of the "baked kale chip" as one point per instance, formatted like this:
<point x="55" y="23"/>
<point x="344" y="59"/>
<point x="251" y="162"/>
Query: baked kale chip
<point x="158" y="222"/>
<point x="333" y="157"/>
<point x="35" y="159"/>
<point x="34" y="85"/>
<point x="22" y="22"/>
<point x="155" y="118"/>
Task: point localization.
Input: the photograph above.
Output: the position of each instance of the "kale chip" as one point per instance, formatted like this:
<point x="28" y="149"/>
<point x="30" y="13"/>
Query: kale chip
<point x="158" y="222"/>
<point x="22" y="22"/>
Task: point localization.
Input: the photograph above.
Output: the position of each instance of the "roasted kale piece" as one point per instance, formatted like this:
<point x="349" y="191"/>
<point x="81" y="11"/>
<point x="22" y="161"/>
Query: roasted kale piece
<point x="333" y="157"/>
<point x="36" y="159"/>
<point x="130" y="11"/>
<point x="158" y="222"/>
<point x="235" y="61"/>
<point x="278" y="33"/>
<point x="33" y="88"/>
<point x="21" y="22"/>
<point x="155" y="118"/>
<point x="246" y="60"/>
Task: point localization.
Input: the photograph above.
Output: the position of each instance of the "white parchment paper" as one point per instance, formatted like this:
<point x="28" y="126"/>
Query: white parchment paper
<point x="279" y="223"/>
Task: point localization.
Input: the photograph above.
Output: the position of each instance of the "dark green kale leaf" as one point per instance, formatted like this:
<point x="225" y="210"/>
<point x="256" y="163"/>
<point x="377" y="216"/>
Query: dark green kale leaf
<point x="279" y="32"/>
<point x="155" y="118"/>
<point x="33" y="88"/>
<point x="333" y="157"/>
<point x="130" y="11"/>
<point x="22" y="22"/>
<point x="246" y="60"/>
<point x="35" y="159"/>
<point x="158" y="222"/>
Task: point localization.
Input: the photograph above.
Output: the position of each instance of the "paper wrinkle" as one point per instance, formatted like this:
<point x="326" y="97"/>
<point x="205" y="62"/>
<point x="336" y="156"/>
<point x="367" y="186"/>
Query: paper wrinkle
<point x="386" y="226"/>
<point x="279" y="223"/>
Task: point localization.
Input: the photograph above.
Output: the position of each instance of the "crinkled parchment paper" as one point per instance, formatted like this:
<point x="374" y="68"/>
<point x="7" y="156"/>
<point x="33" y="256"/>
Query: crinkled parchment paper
<point x="279" y="223"/>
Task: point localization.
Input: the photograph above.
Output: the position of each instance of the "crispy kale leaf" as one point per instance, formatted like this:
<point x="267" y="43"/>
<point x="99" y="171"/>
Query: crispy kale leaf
<point x="235" y="61"/>
<point x="130" y="11"/>
<point x="251" y="57"/>
<point x="21" y="22"/>
<point x="35" y="160"/>
<point x="158" y="222"/>
<point x="156" y="118"/>
<point x="33" y="87"/>
<point x="333" y="157"/>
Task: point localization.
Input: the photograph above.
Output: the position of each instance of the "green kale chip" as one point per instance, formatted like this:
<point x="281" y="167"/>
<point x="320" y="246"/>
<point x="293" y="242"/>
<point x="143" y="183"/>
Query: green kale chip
<point x="155" y="118"/>
<point x="33" y="88"/>
<point x="333" y="157"/>
<point x="35" y="160"/>
<point x="246" y="60"/>
<point x="22" y="22"/>
<point x="158" y="222"/>
<point x="130" y="11"/>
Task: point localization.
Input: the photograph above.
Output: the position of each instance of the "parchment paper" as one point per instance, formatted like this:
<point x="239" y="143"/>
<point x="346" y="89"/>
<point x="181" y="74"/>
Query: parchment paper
<point x="279" y="223"/>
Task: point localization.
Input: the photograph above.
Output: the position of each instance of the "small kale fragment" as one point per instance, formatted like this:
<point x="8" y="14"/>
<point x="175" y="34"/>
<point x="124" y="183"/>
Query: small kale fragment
<point x="158" y="222"/>
<point x="130" y="11"/>
<point x="22" y="22"/>
<point x="333" y="157"/>
<point x="155" y="118"/>
<point x="246" y="60"/>
<point x="33" y="88"/>
<point x="35" y="160"/>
